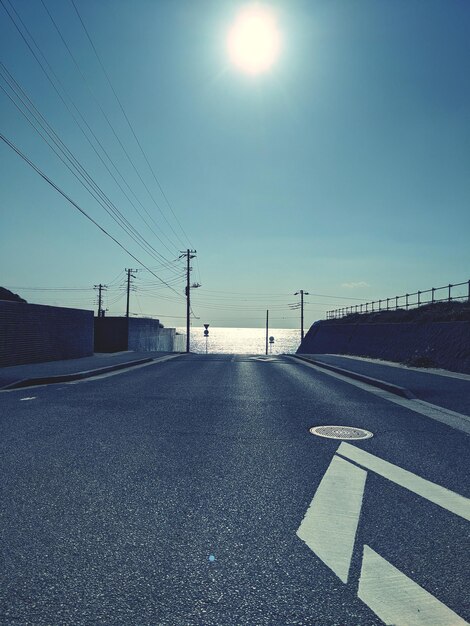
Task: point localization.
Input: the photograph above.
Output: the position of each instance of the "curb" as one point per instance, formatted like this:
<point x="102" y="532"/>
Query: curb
<point x="63" y="378"/>
<point x="375" y="382"/>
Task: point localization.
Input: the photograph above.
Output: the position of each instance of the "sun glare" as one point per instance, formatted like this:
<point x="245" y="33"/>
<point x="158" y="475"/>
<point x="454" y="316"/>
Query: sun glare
<point x="254" y="41"/>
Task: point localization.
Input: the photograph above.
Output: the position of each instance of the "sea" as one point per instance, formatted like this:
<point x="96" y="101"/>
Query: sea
<point x="243" y="340"/>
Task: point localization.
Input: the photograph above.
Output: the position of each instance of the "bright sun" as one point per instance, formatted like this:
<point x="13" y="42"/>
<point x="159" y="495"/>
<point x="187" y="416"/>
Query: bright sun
<point x="254" y="41"/>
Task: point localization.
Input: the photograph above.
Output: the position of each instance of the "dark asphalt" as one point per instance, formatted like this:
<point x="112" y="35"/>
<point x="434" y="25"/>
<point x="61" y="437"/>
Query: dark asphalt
<point x="116" y="491"/>
<point x="446" y="391"/>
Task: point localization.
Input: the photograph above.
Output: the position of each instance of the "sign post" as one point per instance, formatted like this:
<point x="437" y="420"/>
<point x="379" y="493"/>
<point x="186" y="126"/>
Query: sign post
<point x="267" y="324"/>
<point x="206" y="334"/>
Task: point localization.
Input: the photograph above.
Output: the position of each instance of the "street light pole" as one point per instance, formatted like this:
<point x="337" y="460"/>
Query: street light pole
<point x="100" y="288"/>
<point x="189" y="254"/>
<point x="129" y="276"/>
<point x="302" y="294"/>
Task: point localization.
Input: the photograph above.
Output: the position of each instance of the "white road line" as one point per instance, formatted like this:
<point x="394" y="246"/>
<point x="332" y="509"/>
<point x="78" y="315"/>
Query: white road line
<point x="29" y="398"/>
<point x="420" y="370"/>
<point x="398" y="600"/>
<point x="96" y="377"/>
<point x="455" y="420"/>
<point x="449" y="500"/>
<point x="124" y="370"/>
<point x="330" y="524"/>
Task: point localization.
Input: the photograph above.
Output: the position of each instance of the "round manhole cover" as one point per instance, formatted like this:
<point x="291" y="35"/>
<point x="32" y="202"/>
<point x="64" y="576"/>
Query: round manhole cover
<point x="341" y="432"/>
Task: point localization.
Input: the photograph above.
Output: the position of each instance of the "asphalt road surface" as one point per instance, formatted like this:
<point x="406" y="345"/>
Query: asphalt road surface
<point x="191" y="492"/>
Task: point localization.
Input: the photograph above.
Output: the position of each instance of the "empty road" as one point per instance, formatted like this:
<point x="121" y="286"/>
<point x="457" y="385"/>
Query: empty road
<point x="191" y="492"/>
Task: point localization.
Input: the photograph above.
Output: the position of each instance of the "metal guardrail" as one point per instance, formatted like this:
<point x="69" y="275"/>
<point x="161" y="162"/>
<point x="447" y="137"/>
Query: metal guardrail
<point x="405" y="301"/>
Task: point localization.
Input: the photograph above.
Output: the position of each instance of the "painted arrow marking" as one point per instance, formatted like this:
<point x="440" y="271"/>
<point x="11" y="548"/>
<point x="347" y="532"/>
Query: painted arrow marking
<point x="330" y="525"/>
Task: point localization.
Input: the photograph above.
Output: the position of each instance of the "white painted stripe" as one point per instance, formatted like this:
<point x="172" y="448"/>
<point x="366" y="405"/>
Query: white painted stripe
<point x="397" y="599"/>
<point x="29" y="398"/>
<point x="330" y="524"/>
<point x="459" y="421"/>
<point x="123" y="370"/>
<point x="441" y="414"/>
<point x="421" y="370"/>
<point x="91" y="378"/>
<point x="441" y="496"/>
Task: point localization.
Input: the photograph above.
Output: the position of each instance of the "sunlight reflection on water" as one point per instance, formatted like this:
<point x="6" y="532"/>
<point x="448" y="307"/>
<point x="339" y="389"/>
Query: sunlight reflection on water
<point x="243" y="340"/>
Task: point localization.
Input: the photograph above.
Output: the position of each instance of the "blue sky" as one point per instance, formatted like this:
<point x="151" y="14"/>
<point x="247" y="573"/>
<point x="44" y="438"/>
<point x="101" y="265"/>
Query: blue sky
<point x="343" y="170"/>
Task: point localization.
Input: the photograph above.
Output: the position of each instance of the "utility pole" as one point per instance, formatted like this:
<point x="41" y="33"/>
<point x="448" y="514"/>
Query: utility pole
<point x="100" y="288"/>
<point x="129" y="276"/>
<point x="302" y="294"/>
<point x="267" y="332"/>
<point x="189" y="254"/>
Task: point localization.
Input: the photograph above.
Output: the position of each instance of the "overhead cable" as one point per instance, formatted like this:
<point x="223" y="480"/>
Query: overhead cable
<point x="69" y="160"/>
<point x="48" y="76"/>
<point x="109" y="124"/>
<point x="79" y="208"/>
<point x="132" y="130"/>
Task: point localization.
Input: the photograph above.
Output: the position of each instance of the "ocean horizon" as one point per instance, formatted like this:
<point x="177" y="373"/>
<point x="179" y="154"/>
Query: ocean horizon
<point x="243" y="340"/>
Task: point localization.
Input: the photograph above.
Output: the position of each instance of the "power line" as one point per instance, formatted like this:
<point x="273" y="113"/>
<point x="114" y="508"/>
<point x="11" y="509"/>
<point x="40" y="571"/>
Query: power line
<point x="75" y="167"/>
<point x="277" y="295"/>
<point x="110" y="126"/>
<point x="133" y="132"/>
<point x="66" y="105"/>
<point x="50" y="288"/>
<point x="111" y="282"/>
<point x="73" y="203"/>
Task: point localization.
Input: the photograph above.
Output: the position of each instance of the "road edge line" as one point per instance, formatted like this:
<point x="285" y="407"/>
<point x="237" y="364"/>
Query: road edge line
<point x="65" y="378"/>
<point x="375" y="382"/>
<point x="452" y="419"/>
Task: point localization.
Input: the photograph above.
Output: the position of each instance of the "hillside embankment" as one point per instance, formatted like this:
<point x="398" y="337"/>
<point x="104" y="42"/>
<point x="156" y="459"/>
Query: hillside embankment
<point x="436" y="335"/>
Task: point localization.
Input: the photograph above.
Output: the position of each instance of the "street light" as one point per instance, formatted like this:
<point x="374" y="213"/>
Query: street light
<point x="302" y="294"/>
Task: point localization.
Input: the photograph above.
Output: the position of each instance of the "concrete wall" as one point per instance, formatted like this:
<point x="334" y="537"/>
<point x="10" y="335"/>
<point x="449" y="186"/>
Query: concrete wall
<point x="111" y="334"/>
<point x="33" y="333"/>
<point x="166" y="340"/>
<point x="144" y="335"/>
<point x="114" y="334"/>
<point x="180" y="343"/>
<point x="443" y="344"/>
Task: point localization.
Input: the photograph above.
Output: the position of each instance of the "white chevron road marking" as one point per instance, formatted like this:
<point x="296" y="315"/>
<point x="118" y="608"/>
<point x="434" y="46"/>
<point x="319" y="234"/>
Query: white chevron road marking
<point x="330" y="525"/>
<point x="453" y="502"/>
<point x="397" y="599"/>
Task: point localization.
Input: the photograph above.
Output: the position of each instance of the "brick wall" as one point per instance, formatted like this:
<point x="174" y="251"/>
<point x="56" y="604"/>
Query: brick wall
<point x="33" y="333"/>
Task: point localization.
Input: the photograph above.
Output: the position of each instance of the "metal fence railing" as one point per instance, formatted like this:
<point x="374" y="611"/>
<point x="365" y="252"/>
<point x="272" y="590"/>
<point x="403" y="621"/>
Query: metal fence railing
<point x="457" y="292"/>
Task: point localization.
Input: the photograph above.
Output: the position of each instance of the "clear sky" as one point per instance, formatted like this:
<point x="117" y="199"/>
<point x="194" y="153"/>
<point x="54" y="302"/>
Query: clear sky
<point x="342" y="169"/>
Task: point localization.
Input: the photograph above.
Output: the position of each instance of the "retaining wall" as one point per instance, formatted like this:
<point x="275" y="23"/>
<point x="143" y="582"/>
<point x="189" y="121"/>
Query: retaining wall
<point x="180" y="343"/>
<point x="166" y="339"/>
<point x="144" y="335"/>
<point x="34" y="333"/>
<point x="115" y="334"/>
<point x="439" y="344"/>
<point x="111" y="334"/>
